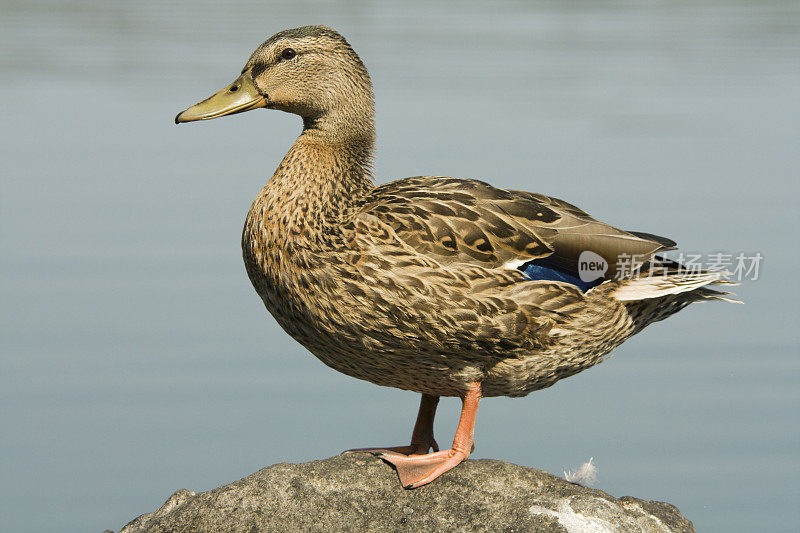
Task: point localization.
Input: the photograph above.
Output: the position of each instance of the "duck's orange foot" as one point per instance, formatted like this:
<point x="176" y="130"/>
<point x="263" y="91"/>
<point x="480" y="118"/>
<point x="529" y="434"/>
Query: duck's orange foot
<point x="417" y="470"/>
<point x="417" y="467"/>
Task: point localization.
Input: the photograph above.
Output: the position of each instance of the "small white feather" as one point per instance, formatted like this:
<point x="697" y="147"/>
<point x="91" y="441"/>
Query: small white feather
<point x="514" y="264"/>
<point x="585" y="475"/>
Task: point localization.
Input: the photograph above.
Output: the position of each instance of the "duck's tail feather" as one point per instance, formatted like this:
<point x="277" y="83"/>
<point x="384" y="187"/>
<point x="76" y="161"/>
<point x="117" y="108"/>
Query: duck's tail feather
<point x="657" y="286"/>
<point x="662" y="288"/>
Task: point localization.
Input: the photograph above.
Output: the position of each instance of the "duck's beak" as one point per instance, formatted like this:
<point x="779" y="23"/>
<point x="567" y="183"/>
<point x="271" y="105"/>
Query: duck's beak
<point x="238" y="97"/>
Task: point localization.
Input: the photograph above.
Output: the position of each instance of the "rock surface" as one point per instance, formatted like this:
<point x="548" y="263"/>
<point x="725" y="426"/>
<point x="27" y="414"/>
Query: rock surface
<point x="359" y="492"/>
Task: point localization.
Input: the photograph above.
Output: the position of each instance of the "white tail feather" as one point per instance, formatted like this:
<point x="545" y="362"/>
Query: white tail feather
<point x="663" y="285"/>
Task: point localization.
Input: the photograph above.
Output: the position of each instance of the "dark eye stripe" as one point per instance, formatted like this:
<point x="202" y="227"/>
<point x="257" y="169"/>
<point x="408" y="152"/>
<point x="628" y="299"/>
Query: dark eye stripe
<point x="258" y="68"/>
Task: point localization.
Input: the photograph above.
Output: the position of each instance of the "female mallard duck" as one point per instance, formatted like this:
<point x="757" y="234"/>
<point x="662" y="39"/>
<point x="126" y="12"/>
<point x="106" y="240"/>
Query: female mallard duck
<point x="443" y="286"/>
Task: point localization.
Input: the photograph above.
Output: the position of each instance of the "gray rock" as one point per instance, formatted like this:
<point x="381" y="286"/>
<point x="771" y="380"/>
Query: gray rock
<point x="359" y="492"/>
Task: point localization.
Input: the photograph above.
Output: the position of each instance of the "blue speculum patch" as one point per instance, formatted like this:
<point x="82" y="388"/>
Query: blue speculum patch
<point x="540" y="272"/>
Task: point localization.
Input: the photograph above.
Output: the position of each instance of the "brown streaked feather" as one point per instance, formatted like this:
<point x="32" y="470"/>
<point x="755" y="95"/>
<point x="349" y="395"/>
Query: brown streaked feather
<point x="460" y="220"/>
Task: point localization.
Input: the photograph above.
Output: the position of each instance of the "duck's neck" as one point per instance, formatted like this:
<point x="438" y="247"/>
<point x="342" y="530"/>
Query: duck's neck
<point x="314" y="189"/>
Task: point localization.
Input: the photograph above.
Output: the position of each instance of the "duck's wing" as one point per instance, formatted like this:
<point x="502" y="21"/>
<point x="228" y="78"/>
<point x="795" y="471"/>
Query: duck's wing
<point x="455" y="220"/>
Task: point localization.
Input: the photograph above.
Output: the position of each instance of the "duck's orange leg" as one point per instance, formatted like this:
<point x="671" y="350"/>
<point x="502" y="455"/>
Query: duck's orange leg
<point x="418" y="470"/>
<point x="422" y="437"/>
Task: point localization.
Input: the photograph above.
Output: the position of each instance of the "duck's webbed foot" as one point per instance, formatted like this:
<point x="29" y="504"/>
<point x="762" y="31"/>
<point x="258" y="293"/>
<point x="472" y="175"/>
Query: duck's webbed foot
<point x="416" y="470"/>
<point x="422" y="437"/>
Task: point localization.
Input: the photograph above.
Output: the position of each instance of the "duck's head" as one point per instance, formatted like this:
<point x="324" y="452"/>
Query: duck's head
<point x="310" y="71"/>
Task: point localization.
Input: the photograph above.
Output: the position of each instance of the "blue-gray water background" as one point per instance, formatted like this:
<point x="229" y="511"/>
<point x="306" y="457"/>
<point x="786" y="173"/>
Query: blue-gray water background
<point x="137" y="360"/>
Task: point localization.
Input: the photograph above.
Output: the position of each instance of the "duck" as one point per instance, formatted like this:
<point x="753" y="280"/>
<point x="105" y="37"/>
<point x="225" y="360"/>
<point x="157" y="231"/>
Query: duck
<point x="443" y="286"/>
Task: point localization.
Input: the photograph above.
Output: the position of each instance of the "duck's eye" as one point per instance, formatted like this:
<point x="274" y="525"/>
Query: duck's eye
<point x="288" y="53"/>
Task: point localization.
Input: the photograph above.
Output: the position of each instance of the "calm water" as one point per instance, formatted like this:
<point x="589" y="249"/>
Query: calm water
<point x="137" y="360"/>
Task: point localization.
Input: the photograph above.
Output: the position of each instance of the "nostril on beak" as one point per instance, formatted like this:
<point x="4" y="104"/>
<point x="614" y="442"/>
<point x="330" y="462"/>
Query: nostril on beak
<point x="234" y="88"/>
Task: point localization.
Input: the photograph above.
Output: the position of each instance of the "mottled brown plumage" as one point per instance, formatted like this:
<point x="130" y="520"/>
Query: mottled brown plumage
<point x="414" y="284"/>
